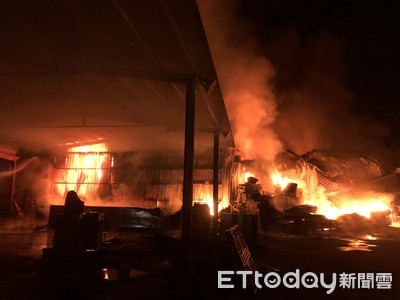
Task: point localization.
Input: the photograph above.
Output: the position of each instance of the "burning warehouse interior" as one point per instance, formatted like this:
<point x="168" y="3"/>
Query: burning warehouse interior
<point x="144" y="147"/>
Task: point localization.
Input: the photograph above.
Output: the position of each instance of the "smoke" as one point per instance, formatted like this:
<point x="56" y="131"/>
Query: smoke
<point x="297" y="98"/>
<point x="33" y="185"/>
<point x="245" y="79"/>
<point x="317" y="110"/>
<point x="19" y="167"/>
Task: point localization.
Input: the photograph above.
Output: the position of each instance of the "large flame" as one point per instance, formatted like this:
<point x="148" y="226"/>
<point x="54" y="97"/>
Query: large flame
<point x="246" y="175"/>
<point x="364" y="203"/>
<point x="282" y="181"/>
<point x="203" y="194"/>
<point x="83" y="171"/>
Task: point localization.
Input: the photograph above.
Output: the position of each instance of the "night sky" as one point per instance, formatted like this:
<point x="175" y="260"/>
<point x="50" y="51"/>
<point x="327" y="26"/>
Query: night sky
<point x="367" y="35"/>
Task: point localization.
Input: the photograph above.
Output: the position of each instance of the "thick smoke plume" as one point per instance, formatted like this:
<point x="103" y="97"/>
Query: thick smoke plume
<point x="245" y="79"/>
<point x="302" y="79"/>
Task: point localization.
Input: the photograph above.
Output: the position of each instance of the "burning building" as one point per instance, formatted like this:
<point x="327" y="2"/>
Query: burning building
<point x="124" y="109"/>
<point x="121" y="101"/>
<point x="128" y="112"/>
<point x="331" y="184"/>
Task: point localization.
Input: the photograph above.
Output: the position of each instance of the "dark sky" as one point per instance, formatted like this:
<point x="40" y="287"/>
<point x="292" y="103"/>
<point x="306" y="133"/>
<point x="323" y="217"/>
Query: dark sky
<point x="368" y="35"/>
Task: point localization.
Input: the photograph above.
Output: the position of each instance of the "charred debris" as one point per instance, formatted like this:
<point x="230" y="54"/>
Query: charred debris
<point x="340" y="176"/>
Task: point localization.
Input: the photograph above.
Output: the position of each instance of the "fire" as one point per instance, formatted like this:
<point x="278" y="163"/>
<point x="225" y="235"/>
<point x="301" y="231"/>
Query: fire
<point x="364" y="203"/>
<point x="83" y="171"/>
<point x="282" y="181"/>
<point x="203" y="194"/>
<point x="246" y="175"/>
<point x="210" y="204"/>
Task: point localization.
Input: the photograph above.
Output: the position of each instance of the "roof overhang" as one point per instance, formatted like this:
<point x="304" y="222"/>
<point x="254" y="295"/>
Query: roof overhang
<point x="80" y="71"/>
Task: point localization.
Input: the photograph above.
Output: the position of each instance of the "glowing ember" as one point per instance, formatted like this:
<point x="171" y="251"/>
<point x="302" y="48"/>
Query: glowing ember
<point x="363" y="204"/>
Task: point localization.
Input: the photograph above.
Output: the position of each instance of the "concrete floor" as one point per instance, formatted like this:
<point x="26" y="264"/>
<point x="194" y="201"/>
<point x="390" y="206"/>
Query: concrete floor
<point x="25" y="274"/>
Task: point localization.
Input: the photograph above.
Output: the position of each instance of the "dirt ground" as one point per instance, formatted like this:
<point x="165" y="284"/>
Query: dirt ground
<point x="140" y="263"/>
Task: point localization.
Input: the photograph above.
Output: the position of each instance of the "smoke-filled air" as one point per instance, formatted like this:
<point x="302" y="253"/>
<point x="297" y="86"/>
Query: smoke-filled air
<point x="284" y="90"/>
<point x="245" y="79"/>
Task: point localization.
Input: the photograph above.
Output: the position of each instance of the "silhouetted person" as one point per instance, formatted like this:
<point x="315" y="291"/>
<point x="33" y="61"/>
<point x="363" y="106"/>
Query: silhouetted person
<point x="67" y="235"/>
<point x="73" y="206"/>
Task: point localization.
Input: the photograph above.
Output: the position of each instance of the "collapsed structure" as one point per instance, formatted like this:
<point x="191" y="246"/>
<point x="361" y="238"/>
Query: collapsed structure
<point x="324" y="186"/>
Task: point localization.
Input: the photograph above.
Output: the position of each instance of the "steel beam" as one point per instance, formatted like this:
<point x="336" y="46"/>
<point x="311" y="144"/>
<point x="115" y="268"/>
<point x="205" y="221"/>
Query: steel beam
<point x="215" y="177"/>
<point x="186" y="226"/>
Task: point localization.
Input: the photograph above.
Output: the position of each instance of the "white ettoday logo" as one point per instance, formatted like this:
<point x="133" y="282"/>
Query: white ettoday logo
<point x="291" y="280"/>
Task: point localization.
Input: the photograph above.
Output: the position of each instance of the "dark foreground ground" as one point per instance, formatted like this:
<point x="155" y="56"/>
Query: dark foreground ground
<point x="142" y="265"/>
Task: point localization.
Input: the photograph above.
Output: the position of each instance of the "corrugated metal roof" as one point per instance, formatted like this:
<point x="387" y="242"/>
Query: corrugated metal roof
<point x="86" y="70"/>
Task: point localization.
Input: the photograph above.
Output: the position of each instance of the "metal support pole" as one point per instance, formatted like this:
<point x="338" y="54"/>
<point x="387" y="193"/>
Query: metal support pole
<point x="12" y="203"/>
<point x="186" y="226"/>
<point x="215" y="177"/>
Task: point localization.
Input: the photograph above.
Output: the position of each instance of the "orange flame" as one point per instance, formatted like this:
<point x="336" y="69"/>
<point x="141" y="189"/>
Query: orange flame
<point x="245" y="175"/>
<point x="83" y="170"/>
<point x="210" y="204"/>
<point x="363" y="204"/>
<point x="282" y="181"/>
<point x="203" y="194"/>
